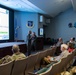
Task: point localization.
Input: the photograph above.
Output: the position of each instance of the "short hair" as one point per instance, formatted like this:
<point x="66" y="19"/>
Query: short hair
<point x="29" y="32"/>
<point x="64" y="46"/>
<point x="15" y="48"/>
<point x="73" y="38"/>
<point x="70" y="45"/>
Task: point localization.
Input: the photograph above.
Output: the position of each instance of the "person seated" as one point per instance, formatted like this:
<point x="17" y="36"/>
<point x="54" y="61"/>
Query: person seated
<point x="70" y="47"/>
<point x="17" y="55"/>
<point x="48" y="59"/>
<point x="60" y="41"/>
<point x="63" y="54"/>
<point x="72" y="40"/>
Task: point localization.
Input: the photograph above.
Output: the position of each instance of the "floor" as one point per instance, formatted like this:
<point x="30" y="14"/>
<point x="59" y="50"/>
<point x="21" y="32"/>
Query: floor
<point x="44" y="48"/>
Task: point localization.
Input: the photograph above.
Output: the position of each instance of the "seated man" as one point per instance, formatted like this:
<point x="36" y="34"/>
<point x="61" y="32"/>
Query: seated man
<point x="16" y="56"/>
<point x="48" y="59"/>
<point x="64" y="54"/>
<point x="60" y="41"/>
<point x="16" y="53"/>
<point x="72" y="40"/>
<point x="70" y="47"/>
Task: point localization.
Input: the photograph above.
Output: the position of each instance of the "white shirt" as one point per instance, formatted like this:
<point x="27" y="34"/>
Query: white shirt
<point x="64" y="54"/>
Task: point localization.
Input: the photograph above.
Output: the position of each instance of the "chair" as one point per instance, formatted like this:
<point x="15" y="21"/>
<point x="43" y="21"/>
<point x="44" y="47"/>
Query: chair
<point x="70" y="59"/>
<point x="5" y="69"/>
<point x="50" y="52"/>
<point x="67" y="61"/>
<point x="56" y="68"/>
<point x="53" y="50"/>
<point x="61" y="65"/>
<point x="43" y="71"/>
<point x="47" y="72"/>
<point x="31" y="62"/>
<point x="42" y="54"/>
<point x="19" y="67"/>
<point x="57" y="51"/>
<point x="64" y="64"/>
<point x="30" y="73"/>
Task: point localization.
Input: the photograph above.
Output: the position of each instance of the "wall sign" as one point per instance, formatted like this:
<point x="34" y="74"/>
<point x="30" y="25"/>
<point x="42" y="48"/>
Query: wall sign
<point x="30" y="24"/>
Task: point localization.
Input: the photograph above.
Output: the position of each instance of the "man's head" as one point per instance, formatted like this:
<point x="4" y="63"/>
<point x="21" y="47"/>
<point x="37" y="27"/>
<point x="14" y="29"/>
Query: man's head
<point x="64" y="47"/>
<point x="15" y="48"/>
<point x="33" y="33"/>
<point x="30" y="32"/>
<point x="70" y="45"/>
<point x="71" y="39"/>
<point x="60" y="39"/>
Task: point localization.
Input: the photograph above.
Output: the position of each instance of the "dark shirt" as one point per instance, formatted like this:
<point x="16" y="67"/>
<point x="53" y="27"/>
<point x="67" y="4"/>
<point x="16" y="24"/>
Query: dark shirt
<point x="59" y="43"/>
<point x="33" y="39"/>
<point x="29" y="38"/>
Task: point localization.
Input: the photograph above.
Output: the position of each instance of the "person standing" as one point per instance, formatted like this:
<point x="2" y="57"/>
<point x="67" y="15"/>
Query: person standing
<point x="29" y="43"/>
<point x="60" y="41"/>
<point x="33" y="41"/>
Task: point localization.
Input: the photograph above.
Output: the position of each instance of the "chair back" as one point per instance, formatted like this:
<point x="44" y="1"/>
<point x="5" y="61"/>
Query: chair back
<point x="42" y="54"/>
<point x="19" y="67"/>
<point x="50" y="52"/>
<point x="58" y="51"/>
<point x="56" y="68"/>
<point x="43" y="71"/>
<point x="47" y="72"/>
<point x="31" y="62"/>
<point x="5" y="69"/>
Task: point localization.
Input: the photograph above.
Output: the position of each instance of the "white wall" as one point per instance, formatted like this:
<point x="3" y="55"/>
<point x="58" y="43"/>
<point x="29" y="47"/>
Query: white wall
<point x="59" y="26"/>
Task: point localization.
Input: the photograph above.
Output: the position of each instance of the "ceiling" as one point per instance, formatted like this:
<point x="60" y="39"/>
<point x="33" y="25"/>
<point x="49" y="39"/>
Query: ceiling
<point x="49" y="7"/>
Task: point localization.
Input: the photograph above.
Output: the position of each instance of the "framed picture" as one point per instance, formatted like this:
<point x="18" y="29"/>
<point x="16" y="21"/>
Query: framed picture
<point x="40" y="31"/>
<point x="30" y="24"/>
